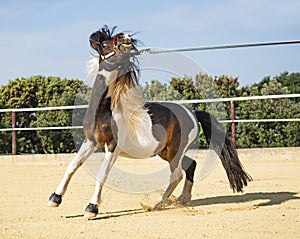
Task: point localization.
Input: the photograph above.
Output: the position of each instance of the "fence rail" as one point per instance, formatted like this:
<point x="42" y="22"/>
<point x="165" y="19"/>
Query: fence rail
<point x="258" y="97"/>
<point x="232" y="119"/>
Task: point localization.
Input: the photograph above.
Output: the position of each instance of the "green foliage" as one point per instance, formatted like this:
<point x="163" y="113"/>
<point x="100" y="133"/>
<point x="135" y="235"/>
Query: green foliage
<point x="271" y="134"/>
<point x="39" y="91"/>
<point x="291" y="81"/>
<point x="156" y="91"/>
<point x="268" y="134"/>
<point x="5" y="137"/>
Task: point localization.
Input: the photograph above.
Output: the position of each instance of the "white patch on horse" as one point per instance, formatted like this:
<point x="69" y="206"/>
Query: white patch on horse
<point x="195" y="131"/>
<point x="86" y="149"/>
<point x="92" y="68"/>
<point x="110" y="76"/>
<point x="102" y="174"/>
<point x="135" y="136"/>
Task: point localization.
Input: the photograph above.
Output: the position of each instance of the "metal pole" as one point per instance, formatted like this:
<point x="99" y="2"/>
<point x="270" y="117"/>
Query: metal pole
<point x="219" y="47"/>
<point x="13" y="134"/>
<point x="232" y="117"/>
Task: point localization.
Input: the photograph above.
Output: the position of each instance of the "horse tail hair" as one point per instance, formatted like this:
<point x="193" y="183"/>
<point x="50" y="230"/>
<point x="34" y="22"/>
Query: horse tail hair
<point x="218" y="139"/>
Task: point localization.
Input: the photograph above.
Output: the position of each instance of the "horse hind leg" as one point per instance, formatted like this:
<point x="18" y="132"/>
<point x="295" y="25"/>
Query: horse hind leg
<point x="189" y="166"/>
<point x="86" y="149"/>
<point x="175" y="177"/>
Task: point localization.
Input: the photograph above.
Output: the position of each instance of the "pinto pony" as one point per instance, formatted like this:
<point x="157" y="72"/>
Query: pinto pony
<point x="121" y="123"/>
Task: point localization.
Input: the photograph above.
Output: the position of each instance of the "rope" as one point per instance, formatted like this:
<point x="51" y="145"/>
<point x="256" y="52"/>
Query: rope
<point x="217" y="47"/>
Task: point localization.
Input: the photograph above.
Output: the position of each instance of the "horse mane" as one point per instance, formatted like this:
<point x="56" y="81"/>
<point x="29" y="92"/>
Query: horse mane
<point x="101" y="35"/>
<point x="127" y="100"/>
<point x="126" y="85"/>
<point x="125" y="92"/>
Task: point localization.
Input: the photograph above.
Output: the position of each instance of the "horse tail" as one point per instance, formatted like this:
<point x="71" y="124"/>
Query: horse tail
<point x="218" y="139"/>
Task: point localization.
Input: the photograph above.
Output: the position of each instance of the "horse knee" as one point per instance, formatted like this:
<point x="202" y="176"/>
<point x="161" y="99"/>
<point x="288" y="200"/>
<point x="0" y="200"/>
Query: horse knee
<point x="73" y="166"/>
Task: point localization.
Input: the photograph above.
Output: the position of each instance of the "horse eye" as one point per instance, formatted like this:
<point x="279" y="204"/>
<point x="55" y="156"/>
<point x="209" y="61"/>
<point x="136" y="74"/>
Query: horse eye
<point x="104" y="44"/>
<point x="120" y="37"/>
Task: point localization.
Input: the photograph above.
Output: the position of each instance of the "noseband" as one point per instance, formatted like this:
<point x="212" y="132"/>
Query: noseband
<point x="113" y="52"/>
<point x="108" y="55"/>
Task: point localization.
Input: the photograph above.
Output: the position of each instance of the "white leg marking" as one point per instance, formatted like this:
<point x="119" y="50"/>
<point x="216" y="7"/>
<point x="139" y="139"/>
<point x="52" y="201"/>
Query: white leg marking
<point x="86" y="149"/>
<point x="186" y="194"/>
<point x="103" y="172"/>
<point x="175" y="178"/>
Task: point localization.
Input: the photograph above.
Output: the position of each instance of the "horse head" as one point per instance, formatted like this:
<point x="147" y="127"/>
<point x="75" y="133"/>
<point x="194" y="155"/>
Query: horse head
<point x="115" y="70"/>
<point x="108" y="45"/>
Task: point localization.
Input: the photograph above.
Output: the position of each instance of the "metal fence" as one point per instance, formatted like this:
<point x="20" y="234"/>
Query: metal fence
<point x="232" y="119"/>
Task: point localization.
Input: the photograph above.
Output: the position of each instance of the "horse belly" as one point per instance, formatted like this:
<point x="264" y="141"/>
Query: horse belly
<point x="135" y="149"/>
<point x="137" y="142"/>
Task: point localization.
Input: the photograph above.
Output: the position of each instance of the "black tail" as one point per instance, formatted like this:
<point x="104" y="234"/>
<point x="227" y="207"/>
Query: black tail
<point x="217" y="137"/>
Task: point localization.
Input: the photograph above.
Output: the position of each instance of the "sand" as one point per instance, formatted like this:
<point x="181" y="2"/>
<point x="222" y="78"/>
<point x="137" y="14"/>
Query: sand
<point x="269" y="207"/>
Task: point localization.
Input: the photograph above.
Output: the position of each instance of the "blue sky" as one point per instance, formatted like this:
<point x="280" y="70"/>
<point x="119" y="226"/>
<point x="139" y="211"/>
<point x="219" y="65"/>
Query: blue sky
<point x="51" y="37"/>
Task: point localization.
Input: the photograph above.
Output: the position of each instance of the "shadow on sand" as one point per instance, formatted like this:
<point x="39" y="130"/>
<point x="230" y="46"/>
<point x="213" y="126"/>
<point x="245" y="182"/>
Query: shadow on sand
<point x="273" y="198"/>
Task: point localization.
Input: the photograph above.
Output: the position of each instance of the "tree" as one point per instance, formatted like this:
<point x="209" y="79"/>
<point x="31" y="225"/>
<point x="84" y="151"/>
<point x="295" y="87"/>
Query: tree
<point x="291" y="81"/>
<point x="270" y="134"/>
<point x="202" y="87"/>
<point x="273" y="134"/>
<point x="185" y="87"/>
<point x="5" y="142"/>
<point x="39" y="91"/>
<point x="156" y="91"/>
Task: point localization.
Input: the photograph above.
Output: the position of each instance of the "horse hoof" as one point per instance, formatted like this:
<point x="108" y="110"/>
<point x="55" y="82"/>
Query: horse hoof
<point x="54" y="200"/>
<point x="163" y="204"/>
<point x="91" y="211"/>
<point x="184" y="199"/>
<point x="52" y="204"/>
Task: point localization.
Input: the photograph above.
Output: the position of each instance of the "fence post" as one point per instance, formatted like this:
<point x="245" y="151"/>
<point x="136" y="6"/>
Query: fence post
<point x="232" y="117"/>
<point x="13" y="134"/>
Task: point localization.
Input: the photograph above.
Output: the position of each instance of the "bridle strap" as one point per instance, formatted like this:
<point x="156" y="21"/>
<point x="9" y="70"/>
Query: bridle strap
<point x="108" y="55"/>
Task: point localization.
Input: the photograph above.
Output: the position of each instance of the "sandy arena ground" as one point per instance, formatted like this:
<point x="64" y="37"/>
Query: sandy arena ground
<point x="269" y="207"/>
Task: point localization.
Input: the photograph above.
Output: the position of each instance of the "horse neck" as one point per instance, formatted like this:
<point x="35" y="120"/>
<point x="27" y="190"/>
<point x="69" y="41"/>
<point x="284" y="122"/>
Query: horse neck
<point x="129" y="112"/>
<point x="126" y="98"/>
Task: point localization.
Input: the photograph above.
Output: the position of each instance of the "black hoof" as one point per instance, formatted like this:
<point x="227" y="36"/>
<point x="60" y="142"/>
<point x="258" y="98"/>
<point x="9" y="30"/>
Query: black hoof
<point x="92" y="208"/>
<point x="91" y="211"/>
<point x="55" y="198"/>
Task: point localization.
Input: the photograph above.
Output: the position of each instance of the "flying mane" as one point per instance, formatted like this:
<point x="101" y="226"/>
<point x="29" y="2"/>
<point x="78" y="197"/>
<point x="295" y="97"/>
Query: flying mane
<point x="124" y="92"/>
<point x="92" y="65"/>
<point x="118" y="122"/>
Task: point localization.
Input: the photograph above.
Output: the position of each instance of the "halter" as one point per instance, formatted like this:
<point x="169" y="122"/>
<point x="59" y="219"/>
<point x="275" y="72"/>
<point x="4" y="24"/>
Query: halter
<point x="108" y="55"/>
<point x="113" y="52"/>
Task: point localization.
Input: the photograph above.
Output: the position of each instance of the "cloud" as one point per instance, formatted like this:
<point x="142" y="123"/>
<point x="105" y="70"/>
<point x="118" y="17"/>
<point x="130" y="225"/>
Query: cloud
<point x="36" y="35"/>
<point x="61" y="51"/>
<point x="10" y="11"/>
<point x="60" y="5"/>
<point x="227" y="15"/>
<point x="255" y="14"/>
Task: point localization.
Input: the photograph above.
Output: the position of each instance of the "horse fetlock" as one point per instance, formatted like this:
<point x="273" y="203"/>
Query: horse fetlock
<point x="54" y="200"/>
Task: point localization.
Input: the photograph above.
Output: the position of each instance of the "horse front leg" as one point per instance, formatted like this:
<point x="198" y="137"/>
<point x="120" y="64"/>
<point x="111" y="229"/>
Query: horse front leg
<point x="110" y="158"/>
<point x="86" y="149"/>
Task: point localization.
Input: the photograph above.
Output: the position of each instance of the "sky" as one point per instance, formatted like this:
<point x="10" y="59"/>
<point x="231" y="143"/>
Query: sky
<point x="50" y="38"/>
